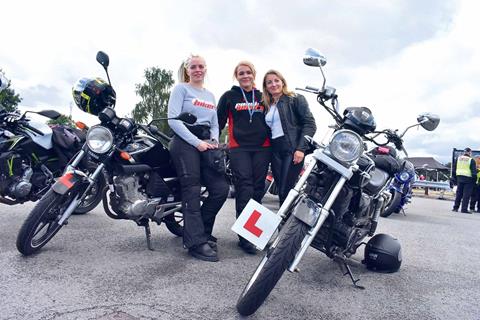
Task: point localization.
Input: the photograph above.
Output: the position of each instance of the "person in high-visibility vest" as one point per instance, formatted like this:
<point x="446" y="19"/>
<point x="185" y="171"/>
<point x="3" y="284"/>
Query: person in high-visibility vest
<point x="475" y="199"/>
<point x="464" y="173"/>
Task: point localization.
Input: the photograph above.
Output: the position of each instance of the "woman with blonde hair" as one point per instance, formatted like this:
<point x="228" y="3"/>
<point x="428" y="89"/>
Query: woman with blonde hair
<point x="248" y="143"/>
<point x="186" y="149"/>
<point x="289" y="119"/>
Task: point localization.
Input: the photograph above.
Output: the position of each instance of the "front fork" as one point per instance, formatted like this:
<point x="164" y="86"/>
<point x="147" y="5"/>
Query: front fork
<point x="71" y="169"/>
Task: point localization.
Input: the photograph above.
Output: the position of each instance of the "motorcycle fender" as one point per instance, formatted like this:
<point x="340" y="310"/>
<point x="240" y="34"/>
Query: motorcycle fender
<point x="396" y="187"/>
<point x="65" y="183"/>
<point x="307" y="211"/>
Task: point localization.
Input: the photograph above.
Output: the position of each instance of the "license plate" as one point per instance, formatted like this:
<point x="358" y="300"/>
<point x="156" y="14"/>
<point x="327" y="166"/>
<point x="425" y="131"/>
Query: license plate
<point x="256" y="224"/>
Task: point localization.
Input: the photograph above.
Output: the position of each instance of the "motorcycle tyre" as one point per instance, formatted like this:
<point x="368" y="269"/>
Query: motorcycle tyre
<point x="92" y="204"/>
<point x="40" y="213"/>
<point x="173" y="225"/>
<point x="394" y="203"/>
<point x="272" y="266"/>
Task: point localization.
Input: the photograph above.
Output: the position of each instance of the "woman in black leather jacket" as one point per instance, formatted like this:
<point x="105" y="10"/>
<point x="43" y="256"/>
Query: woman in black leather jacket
<point x="289" y="119"/>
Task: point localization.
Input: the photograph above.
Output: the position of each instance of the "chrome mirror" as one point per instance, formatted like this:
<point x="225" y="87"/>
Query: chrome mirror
<point x="313" y="58"/>
<point x="428" y="121"/>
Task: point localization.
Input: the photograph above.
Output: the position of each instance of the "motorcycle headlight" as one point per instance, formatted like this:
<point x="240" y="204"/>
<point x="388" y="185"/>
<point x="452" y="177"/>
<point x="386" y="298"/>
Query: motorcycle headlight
<point x="346" y="146"/>
<point x="99" y="139"/>
<point x="404" y="176"/>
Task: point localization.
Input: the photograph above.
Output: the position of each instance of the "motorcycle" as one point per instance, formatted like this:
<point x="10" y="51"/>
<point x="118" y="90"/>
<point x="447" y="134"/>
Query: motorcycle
<point x="31" y="157"/>
<point x="136" y="164"/>
<point x="337" y="201"/>
<point x="400" y="189"/>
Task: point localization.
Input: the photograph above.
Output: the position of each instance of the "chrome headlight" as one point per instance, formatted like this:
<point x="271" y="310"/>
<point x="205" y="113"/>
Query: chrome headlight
<point x="346" y="146"/>
<point x="99" y="139"/>
<point x="404" y="176"/>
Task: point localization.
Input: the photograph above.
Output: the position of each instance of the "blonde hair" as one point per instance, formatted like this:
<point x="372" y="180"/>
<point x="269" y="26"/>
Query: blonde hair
<point x="245" y="64"/>
<point x="267" y="98"/>
<point x="182" y="70"/>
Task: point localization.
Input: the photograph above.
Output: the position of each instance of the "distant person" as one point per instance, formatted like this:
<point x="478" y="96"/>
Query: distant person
<point x="422" y="177"/>
<point x="475" y="199"/>
<point x="464" y="174"/>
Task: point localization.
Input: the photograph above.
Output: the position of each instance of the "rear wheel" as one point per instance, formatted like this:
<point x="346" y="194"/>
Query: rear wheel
<point x="42" y="222"/>
<point x="93" y="198"/>
<point x="174" y="223"/>
<point x="272" y="266"/>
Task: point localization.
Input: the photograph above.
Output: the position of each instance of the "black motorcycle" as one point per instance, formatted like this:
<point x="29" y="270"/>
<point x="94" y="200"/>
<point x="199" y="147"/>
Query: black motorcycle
<point x="136" y="164"/>
<point x="33" y="155"/>
<point x="337" y="201"/>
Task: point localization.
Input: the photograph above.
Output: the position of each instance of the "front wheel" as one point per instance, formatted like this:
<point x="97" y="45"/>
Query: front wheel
<point x="272" y="266"/>
<point x="393" y="204"/>
<point x="42" y="222"/>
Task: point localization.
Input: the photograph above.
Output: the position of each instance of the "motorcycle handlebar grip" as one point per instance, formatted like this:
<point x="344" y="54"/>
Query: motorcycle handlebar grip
<point x="312" y="88"/>
<point x="34" y="129"/>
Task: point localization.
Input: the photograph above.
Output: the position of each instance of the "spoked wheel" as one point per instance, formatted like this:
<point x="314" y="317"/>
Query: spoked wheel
<point x="42" y="223"/>
<point x="174" y="223"/>
<point x="272" y="266"/>
<point x="94" y="196"/>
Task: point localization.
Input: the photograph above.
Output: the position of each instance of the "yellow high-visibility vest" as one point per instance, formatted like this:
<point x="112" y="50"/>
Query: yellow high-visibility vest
<point x="463" y="166"/>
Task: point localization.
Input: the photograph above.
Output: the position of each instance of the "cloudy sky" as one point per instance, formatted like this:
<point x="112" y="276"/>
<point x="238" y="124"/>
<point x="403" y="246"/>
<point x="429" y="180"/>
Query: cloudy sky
<point x="398" y="57"/>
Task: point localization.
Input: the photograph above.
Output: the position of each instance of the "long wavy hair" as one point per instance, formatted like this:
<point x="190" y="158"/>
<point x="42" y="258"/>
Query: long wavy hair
<point x="182" y="70"/>
<point x="267" y="98"/>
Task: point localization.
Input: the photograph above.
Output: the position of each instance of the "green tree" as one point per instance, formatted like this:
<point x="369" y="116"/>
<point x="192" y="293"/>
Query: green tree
<point x="154" y="92"/>
<point x="62" y="120"/>
<point x="8" y="98"/>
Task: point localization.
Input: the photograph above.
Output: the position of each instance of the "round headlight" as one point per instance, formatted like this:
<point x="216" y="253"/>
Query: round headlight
<point x="99" y="139"/>
<point x="346" y="146"/>
<point x="404" y="176"/>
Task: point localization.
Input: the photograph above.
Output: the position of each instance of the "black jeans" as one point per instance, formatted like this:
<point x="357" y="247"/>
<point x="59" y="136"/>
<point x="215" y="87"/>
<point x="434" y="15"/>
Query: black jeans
<point x="285" y="172"/>
<point x="475" y="199"/>
<point x="198" y="220"/>
<point x="464" y="191"/>
<point x="250" y="170"/>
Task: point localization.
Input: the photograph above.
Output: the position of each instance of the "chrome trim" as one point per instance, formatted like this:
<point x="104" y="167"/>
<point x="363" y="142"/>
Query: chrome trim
<point x="333" y="164"/>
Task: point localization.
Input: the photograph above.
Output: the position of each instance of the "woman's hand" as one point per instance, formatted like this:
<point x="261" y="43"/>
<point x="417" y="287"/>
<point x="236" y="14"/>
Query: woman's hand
<point x="298" y="157"/>
<point x="203" y="146"/>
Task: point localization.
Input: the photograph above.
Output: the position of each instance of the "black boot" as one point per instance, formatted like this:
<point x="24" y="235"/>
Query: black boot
<point x="247" y="246"/>
<point x="203" y="252"/>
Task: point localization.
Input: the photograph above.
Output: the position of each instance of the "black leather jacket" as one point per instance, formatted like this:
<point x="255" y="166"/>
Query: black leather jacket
<point x="297" y="121"/>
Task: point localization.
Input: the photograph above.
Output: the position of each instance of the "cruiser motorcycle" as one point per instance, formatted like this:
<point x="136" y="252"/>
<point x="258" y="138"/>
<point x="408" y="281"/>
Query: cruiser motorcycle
<point x="401" y="189"/>
<point x="133" y="158"/>
<point x="32" y="156"/>
<point x="337" y="201"/>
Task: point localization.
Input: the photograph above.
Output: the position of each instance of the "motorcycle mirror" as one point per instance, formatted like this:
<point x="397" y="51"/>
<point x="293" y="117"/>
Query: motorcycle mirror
<point x="428" y="121"/>
<point x="187" y="118"/>
<point x="313" y="58"/>
<point x="51" y="114"/>
<point x="103" y="59"/>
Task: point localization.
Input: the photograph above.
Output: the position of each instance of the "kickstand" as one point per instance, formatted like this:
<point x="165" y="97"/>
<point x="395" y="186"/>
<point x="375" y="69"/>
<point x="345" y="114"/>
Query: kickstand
<point x="148" y="235"/>
<point x="349" y="272"/>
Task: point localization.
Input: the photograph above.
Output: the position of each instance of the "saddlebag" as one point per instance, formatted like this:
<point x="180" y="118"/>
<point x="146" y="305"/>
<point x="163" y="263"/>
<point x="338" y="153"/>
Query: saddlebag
<point x="66" y="142"/>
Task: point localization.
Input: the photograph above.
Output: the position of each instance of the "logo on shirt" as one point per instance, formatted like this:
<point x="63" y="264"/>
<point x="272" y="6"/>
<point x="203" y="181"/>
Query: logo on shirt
<point x="203" y="104"/>
<point x="248" y="106"/>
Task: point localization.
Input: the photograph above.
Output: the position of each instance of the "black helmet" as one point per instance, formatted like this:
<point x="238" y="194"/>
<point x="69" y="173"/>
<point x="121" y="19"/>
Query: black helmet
<point x="383" y="253"/>
<point x="93" y="95"/>
<point x="359" y="119"/>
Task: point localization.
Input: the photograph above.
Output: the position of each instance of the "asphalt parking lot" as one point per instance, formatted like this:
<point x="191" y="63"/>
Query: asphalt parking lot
<point x="99" y="268"/>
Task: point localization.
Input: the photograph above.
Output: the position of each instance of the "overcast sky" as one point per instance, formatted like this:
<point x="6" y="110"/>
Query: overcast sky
<point x="398" y="57"/>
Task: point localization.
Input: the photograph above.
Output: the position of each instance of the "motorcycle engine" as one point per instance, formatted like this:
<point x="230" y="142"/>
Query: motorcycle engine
<point x="128" y="199"/>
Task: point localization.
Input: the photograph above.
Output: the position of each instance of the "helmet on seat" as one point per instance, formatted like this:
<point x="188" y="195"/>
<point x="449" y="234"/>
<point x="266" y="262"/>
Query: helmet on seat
<point x="383" y="253"/>
<point x="93" y="95"/>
